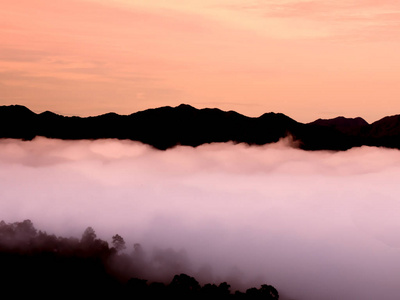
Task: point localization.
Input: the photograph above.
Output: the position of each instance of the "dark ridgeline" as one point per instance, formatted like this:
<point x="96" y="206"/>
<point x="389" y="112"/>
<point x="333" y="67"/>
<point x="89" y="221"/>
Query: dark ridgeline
<point x="166" y="127"/>
<point x="350" y="126"/>
<point x="36" y="264"/>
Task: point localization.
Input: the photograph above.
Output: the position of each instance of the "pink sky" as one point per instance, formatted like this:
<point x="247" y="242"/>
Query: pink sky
<point x="306" y="59"/>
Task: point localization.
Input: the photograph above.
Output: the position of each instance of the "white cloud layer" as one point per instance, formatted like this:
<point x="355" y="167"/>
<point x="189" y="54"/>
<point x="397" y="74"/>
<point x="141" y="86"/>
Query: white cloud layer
<point x="316" y="225"/>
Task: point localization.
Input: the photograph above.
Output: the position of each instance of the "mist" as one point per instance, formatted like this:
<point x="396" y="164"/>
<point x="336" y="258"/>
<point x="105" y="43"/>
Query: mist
<point x="316" y="225"/>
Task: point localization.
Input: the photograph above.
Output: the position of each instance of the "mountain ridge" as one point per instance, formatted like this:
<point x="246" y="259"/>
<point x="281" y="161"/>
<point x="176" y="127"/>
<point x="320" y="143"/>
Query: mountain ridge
<point x="166" y="127"/>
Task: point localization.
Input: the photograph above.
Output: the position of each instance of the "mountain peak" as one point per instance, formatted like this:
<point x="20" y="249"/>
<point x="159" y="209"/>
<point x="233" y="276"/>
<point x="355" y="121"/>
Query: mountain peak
<point x="185" y="106"/>
<point x="342" y="121"/>
<point x="167" y="126"/>
<point x="16" y="109"/>
<point x="351" y="126"/>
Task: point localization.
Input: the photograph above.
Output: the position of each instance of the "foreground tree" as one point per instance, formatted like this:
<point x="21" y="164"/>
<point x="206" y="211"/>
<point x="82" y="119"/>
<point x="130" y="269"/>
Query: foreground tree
<point x="183" y="286"/>
<point x="87" y="266"/>
<point x="88" y="236"/>
<point x="118" y="242"/>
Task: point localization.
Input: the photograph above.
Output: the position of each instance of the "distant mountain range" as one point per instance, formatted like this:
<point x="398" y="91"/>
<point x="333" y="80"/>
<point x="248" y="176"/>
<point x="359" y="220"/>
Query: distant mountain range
<point x="166" y="127"/>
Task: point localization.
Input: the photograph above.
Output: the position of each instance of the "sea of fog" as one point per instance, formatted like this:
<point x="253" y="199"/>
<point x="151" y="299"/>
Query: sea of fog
<point x="316" y="225"/>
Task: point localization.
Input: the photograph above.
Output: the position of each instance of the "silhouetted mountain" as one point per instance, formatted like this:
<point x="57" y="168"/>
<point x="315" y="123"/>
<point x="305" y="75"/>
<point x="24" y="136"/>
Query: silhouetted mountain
<point x="384" y="132"/>
<point x="166" y="127"/>
<point x="388" y="126"/>
<point x="351" y="126"/>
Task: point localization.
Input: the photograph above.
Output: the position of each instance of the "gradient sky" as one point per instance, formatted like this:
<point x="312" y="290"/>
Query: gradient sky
<point x="306" y="59"/>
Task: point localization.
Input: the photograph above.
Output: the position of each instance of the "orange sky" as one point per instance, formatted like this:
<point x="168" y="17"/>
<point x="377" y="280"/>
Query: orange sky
<point x="306" y="59"/>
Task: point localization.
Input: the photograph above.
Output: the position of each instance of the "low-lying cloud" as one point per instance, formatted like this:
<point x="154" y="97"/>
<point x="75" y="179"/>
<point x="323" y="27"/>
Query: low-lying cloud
<point x="316" y="225"/>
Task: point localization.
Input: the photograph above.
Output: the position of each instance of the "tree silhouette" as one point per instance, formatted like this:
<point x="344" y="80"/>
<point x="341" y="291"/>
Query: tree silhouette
<point x="25" y="229"/>
<point x="88" y="236"/>
<point x="118" y="242"/>
<point x="268" y="292"/>
<point x="88" y="266"/>
<point x="184" y="286"/>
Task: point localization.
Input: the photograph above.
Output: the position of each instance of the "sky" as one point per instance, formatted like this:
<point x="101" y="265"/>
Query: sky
<point x="305" y="222"/>
<point x="315" y="225"/>
<point x="306" y="59"/>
